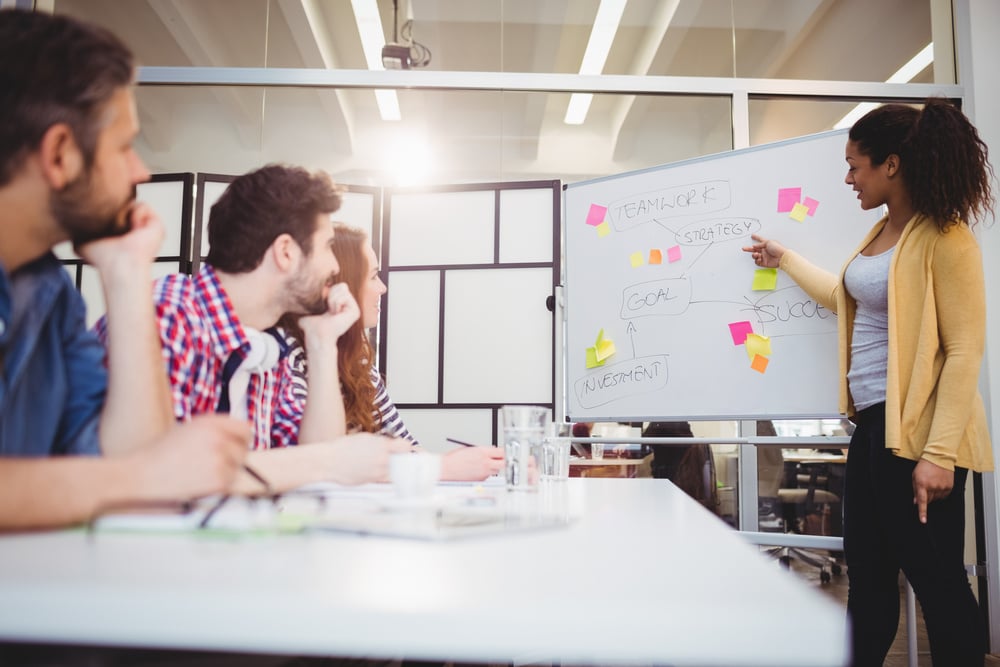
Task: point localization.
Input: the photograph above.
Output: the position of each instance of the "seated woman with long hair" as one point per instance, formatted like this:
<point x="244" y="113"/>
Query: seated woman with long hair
<point x="367" y="406"/>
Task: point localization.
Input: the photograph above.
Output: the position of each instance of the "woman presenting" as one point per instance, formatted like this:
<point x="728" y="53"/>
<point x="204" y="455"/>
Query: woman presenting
<point x="912" y="320"/>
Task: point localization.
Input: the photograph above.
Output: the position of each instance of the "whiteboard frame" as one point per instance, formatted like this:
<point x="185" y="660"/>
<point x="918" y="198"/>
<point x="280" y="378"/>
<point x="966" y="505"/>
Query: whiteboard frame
<point x="620" y="415"/>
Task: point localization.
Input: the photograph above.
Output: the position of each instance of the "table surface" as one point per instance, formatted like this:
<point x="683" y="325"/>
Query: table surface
<point x="704" y="595"/>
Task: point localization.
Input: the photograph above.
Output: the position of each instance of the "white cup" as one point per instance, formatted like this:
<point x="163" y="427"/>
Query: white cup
<point x="597" y="451"/>
<point x="414" y="475"/>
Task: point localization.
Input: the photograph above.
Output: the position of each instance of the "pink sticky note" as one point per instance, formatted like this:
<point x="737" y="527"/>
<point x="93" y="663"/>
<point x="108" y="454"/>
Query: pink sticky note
<point x="674" y="254"/>
<point x="596" y="214"/>
<point x="787" y="198"/>
<point x="740" y="331"/>
<point x="810" y="204"/>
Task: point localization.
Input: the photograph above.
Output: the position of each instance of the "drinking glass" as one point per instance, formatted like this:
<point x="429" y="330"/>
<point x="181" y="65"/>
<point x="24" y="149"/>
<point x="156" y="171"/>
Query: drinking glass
<point x="555" y="452"/>
<point x="523" y="433"/>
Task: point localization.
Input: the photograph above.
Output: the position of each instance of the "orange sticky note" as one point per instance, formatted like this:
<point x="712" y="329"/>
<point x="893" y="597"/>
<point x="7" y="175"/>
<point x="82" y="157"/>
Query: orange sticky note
<point x="759" y="363"/>
<point x="655" y="256"/>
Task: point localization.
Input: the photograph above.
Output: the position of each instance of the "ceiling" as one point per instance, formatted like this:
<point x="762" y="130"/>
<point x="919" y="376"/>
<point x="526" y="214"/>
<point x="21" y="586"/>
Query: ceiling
<point x="460" y="136"/>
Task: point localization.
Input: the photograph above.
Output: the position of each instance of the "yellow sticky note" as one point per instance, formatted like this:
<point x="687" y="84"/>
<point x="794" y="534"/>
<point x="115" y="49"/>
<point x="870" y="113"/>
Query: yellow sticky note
<point x="603" y="229"/>
<point x="759" y="363"/>
<point x="592" y="361"/>
<point x="764" y="279"/>
<point x="655" y="256"/>
<point x="605" y="349"/>
<point x="758" y="345"/>
<point x="636" y="259"/>
<point x="799" y="212"/>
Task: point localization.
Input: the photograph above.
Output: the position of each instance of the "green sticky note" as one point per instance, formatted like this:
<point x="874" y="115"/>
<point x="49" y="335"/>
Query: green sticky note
<point x="764" y="279"/>
<point x="592" y="360"/>
<point x="605" y="349"/>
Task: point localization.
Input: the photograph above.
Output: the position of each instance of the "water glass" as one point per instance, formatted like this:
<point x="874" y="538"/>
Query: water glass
<point x="523" y="434"/>
<point x="597" y="451"/>
<point x="555" y="453"/>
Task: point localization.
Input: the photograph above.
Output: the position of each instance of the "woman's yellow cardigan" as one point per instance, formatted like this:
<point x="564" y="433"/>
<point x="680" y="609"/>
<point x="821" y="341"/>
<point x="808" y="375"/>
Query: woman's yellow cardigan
<point x="937" y="331"/>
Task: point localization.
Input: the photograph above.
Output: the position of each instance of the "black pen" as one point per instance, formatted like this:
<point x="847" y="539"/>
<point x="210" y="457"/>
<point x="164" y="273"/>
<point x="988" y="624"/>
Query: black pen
<point x="256" y="475"/>
<point x="460" y="442"/>
<point x="215" y="508"/>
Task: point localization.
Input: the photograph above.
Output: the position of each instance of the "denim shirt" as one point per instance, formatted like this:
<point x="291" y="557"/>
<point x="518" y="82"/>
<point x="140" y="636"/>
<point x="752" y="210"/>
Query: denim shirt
<point x="52" y="375"/>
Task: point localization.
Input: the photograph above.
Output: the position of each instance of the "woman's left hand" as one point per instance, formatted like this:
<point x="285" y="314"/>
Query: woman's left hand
<point x="930" y="482"/>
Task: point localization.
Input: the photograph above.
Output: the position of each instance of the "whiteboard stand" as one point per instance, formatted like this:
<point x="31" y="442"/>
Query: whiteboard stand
<point x="559" y="380"/>
<point x="747" y="477"/>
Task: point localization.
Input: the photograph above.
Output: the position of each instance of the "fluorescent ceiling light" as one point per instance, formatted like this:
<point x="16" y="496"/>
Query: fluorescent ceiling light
<point x="602" y="35"/>
<point x="915" y="66"/>
<point x="372" y="40"/>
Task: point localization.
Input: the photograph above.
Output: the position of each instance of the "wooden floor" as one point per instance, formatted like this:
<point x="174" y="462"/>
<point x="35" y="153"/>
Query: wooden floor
<point x="837" y="589"/>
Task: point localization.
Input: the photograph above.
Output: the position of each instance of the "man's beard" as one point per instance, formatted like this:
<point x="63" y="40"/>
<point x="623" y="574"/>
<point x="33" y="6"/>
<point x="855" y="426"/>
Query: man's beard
<point x="308" y="297"/>
<point x="83" y="218"/>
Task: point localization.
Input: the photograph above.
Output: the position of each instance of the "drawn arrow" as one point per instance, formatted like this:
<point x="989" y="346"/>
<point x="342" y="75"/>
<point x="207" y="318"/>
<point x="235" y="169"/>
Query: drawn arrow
<point x="630" y="329"/>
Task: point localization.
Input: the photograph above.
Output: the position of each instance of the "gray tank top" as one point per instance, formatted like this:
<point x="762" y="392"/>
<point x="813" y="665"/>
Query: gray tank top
<point x="867" y="281"/>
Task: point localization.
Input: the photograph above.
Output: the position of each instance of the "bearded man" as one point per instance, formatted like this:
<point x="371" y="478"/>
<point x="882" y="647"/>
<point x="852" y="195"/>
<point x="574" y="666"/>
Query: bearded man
<point x="270" y="254"/>
<point x="68" y="172"/>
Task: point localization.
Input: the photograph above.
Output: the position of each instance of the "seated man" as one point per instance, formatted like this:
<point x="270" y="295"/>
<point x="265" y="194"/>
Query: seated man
<point x="68" y="172"/>
<point x="269" y="254"/>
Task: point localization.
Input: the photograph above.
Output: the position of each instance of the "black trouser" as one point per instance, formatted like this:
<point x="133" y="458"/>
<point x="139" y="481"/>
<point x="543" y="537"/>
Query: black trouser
<point x="882" y="534"/>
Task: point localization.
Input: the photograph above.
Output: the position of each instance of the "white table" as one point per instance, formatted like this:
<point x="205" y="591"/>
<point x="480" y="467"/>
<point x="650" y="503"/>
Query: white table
<point x="706" y="598"/>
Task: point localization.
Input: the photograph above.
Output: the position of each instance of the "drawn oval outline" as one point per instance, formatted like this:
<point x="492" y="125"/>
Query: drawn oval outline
<point x="742" y="229"/>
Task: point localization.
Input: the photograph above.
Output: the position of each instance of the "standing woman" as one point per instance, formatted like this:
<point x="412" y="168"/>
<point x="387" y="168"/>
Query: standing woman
<point x="912" y="320"/>
<point x="367" y="405"/>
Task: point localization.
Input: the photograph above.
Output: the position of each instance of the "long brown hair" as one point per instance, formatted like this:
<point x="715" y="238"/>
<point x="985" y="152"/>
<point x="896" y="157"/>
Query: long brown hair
<point x="945" y="164"/>
<point x="354" y="350"/>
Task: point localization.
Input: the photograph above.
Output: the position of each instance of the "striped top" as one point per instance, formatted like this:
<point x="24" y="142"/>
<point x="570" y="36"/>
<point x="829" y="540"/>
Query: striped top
<point x="384" y="410"/>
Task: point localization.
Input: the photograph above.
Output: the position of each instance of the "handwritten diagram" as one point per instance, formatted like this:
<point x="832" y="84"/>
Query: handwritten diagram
<point x="654" y="263"/>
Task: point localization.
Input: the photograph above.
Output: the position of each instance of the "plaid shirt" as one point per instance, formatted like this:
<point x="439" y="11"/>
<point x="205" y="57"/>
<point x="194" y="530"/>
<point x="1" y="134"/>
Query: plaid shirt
<point x="199" y="330"/>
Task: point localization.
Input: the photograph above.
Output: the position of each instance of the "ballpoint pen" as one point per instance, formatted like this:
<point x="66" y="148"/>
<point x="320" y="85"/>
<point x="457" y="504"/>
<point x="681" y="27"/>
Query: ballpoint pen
<point x="461" y="442"/>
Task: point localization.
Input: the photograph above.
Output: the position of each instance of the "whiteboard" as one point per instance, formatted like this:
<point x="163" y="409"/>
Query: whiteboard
<point x="664" y="276"/>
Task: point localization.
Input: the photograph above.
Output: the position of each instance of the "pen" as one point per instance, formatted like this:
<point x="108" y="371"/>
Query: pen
<point x="460" y="442"/>
<point x="211" y="512"/>
<point x="256" y="475"/>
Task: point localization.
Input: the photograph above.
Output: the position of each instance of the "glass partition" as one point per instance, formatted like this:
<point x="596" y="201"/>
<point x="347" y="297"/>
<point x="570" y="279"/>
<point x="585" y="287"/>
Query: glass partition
<point x="780" y="39"/>
<point x="445" y="137"/>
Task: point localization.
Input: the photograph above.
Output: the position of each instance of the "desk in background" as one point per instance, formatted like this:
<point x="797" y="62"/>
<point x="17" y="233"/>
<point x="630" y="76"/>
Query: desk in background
<point x="510" y="598"/>
<point x="610" y="467"/>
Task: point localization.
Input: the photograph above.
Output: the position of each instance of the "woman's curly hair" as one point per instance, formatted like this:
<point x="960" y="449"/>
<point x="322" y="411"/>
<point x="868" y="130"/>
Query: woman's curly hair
<point x="945" y="165"/>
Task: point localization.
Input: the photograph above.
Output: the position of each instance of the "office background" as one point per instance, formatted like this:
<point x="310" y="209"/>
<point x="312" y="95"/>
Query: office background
<point x="228" y="85"/>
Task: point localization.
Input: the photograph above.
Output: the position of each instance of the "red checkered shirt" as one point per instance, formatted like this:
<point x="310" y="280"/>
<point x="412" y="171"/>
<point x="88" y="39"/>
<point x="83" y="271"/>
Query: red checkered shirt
<point x="199" y="330"/>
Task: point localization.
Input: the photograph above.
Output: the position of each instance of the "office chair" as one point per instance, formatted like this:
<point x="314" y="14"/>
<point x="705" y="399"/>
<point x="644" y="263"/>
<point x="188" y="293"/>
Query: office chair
<point x="806" y="503"/>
